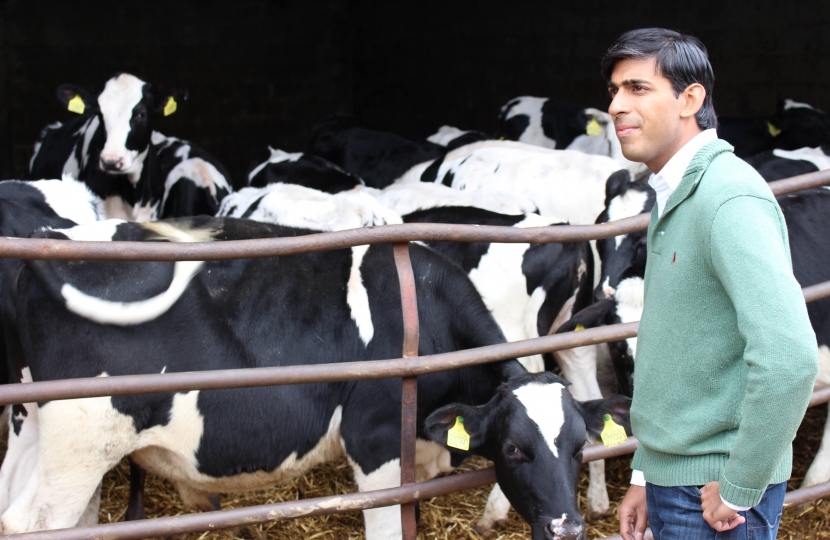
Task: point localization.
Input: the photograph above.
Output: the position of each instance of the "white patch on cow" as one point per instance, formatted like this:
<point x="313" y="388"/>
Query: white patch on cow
<point x="20" y="461"/>
<point x="563" y="184"/>
<point x="202" y="173"/>
<point x="495" y="512"/>
<point x="182" y="152"/>
<point x="71" y="167"/>
<point x="358" y="298"/>
<point x="431" y="459"/>
<point x="98" y="231"/>
<point x="790" y="104"/>
<point x="90" y="515"/>
<point x="406" y="198"/>
<point x="121" y="94"/>
<point x="298" y="206"/>
<point x="80" y="440"/>
<point x="381" y="523"/>
<point x="182" y="433"/>
<point x="534" y="363"/>
<point x="607" y="289"/>
<point x="534" y="133"/>
<point x="543" y="403"/>
<point x="629" y="204"/>
<point x="813" y="155"/>
<point x="70" y="199"/>
<point x="445" y="135"/>
<point x="629" y="295"/>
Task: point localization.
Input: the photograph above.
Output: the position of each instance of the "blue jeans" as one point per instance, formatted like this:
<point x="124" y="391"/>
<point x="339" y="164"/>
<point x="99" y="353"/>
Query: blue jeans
<point x="674" y="513"/>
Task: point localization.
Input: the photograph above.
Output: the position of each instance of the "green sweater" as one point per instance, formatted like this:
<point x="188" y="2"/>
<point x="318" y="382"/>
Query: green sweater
<point x="726" y="357"/>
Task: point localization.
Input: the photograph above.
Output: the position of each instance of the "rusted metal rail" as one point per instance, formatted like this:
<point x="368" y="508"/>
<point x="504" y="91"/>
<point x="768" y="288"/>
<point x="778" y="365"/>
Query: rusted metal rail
<point x="29" y="248"/>
<point x="408" y="367"/>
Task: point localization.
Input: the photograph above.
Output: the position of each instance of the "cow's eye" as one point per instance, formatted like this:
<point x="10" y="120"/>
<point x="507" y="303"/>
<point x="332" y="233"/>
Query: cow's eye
<point x="512" y="450"/>
<point x="141" y="115"/>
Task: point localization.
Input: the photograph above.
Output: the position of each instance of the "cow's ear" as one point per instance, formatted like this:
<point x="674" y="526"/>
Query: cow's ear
<point x="167" y="100"/>
<point x="594" y="411"/>
<point x="448" y="425"/>
<point x="593" y="316"/>
<point x="75" y="98"/>
<point x="616" y="184"/>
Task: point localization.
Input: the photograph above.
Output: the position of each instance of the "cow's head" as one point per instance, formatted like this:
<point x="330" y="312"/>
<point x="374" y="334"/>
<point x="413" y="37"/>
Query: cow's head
<point x="798" y="125"/>
<point x="126" y="108"/>
<point x="534" y="430"/>
<point x="623" y="256"/>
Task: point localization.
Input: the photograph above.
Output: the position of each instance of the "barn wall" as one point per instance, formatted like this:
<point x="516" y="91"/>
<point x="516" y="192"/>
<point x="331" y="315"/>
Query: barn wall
<point x="261" y="71"/>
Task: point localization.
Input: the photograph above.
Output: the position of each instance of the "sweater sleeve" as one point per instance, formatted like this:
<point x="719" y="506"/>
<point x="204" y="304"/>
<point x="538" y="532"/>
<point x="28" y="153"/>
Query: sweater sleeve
<point x="750" y="256"/>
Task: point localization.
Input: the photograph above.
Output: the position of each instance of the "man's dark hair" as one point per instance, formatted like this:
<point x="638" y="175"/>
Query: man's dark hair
<point x="680" y="58"/>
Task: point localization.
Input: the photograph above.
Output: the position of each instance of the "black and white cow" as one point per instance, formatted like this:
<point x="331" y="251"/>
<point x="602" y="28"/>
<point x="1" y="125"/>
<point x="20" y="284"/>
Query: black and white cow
<point x="27" y="207"/>
<point x="337" y="306"/>
<point x="139" y="174"/>
<point x="303" y="169"/>
<point x="795" y="125"/>
<point x="543" y="122"/>
<point x="623" y="268"/>
<point x="778" y="164"/>
<point x="378" y="157"/>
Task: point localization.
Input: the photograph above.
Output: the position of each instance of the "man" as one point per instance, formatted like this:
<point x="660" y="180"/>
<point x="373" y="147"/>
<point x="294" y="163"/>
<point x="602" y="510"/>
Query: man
<point x="726" y="356"/>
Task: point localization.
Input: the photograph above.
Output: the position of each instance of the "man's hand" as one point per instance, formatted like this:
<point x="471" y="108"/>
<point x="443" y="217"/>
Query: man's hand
<point x="719" y="516"/>
<point x="633" y="514"/>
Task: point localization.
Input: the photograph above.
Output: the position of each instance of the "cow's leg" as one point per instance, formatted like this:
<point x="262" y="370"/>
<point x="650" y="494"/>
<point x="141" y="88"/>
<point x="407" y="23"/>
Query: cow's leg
<point x="90" y="515"/>
<point x="495" y="513"/>
<point x="819" y="470"/>
<point x="80" y="440"/>
<point x="381" y="523"/>
<point x="138" y="477"/>
<point x="21" y="455"/>
<point x="579" y="366"/>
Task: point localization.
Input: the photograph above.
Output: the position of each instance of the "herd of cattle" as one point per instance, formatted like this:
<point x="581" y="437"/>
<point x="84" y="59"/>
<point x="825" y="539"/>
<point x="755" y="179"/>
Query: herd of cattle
<point x="107" y="175"/>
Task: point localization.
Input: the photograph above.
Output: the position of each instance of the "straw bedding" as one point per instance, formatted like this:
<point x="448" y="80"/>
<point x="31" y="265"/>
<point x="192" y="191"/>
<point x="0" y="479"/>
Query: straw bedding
<point x="443" y="518"/>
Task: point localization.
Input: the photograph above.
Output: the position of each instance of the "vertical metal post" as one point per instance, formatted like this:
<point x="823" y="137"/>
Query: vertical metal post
<point x="409" y="385"/>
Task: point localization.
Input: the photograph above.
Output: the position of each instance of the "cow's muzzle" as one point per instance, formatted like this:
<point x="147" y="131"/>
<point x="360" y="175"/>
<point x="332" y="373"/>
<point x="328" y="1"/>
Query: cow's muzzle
<point x="567" y="529"/>
<point x="112" y="164"/>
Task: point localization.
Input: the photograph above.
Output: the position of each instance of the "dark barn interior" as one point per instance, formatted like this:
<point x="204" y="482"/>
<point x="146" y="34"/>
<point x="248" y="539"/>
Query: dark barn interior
<point x="261" y="72"/>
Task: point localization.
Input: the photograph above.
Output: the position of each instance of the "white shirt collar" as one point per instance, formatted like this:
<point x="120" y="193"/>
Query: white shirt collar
<point x="669" y="177"/>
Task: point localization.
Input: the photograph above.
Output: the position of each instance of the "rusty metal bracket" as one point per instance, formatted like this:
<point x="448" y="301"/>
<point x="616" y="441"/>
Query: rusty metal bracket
<point x="409" y="385"/>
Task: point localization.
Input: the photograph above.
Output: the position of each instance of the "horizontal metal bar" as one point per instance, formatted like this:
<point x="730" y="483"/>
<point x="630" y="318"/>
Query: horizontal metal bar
<point x="252" y="515"/>
<point x="816" y="292"/>
<point x="43" y="248"/>
<point x="270" y="376"/>
<point x="29" y="248"/>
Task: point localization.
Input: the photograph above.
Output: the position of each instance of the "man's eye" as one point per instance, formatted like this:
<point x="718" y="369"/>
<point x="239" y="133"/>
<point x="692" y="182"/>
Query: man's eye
<point x="639" y="88"/>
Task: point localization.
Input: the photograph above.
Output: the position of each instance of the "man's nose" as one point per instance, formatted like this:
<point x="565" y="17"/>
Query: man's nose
<point x="618" y="105"/>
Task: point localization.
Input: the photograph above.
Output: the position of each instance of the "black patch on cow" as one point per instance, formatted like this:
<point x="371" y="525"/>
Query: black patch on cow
<point x="251" y="209"/>
<point x="18" y="414"/>
<point x="563" y="123"/>
<point x="310" y="171"/>
<point x="465" y="254"/>
<point x="430" y="174"/>
<point x="772" y="167"/>
<point x="468" y="138"/>
<point x="448" y="178"/>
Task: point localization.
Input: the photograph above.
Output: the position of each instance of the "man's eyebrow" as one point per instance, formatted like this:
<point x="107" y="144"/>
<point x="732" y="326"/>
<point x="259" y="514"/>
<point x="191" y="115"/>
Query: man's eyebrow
<point x="628" y="82"/>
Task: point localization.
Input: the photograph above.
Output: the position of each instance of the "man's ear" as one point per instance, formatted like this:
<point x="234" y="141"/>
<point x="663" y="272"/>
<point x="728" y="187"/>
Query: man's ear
<point x="594" y="410"/>
<point x="475" y="422"/>
<point x="167" y="100"/>
<point x="75" y="98"/>
<point x="693" y="97"/>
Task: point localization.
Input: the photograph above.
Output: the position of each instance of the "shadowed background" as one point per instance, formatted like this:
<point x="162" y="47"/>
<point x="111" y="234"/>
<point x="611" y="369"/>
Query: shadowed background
<point x="261" y="72"/>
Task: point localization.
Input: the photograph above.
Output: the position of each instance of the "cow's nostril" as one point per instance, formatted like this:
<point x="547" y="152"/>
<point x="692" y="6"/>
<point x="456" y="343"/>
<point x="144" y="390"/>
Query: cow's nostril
<point x="567" y="529"/>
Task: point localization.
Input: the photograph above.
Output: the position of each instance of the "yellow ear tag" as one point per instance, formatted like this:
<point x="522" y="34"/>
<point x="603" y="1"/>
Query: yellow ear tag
<point x="76" y="105"/>
<point x="774" y="131"/>
<point x="578" y="327"/>
<point x="594" y="128"/>
<point x="501" y="138"/>
<point x="170" y="108"/>
<point x="457" y="437"/>
<point x="613" y="433"/>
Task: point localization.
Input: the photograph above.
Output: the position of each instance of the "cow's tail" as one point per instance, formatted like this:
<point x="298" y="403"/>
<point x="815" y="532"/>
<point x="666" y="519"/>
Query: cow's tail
<point x="127" y="313"/>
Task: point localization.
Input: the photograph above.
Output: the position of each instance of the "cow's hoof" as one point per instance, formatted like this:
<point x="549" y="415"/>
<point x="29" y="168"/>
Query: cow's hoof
<point x="595" y="515"/>
<point x="488" y="530"/>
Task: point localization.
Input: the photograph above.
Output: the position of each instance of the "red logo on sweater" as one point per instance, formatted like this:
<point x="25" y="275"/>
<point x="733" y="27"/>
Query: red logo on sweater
<point x="674" y="258"/>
